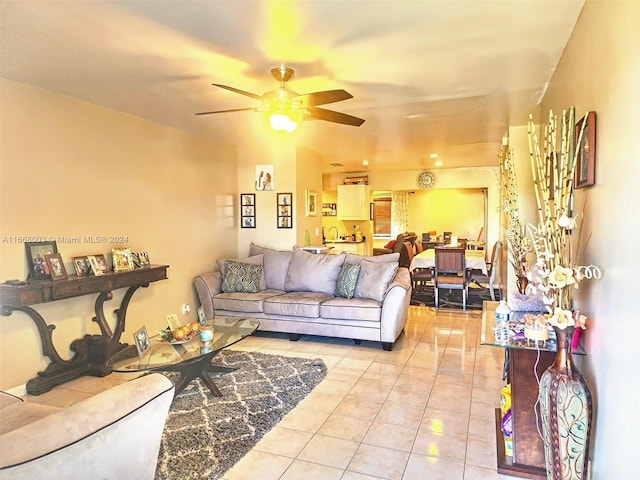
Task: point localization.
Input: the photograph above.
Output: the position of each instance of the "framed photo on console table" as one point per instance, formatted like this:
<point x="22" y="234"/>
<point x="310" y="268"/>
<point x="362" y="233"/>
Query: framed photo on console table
<point x="247" y="210"/>
<point x="56" y="266"/>
<point x="36" y="253"/>
<point x="122" y="260"/>
<point x="585" y="174"/>
<point x="284" y="212"/>
<point x="81" y="265"/>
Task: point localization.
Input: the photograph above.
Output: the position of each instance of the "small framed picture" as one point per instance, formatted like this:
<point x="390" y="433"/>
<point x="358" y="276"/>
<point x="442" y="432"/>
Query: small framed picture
<point x="585" y="173"/>
<point x="36" y="252"/>
<point x="122" y="259"/>
<point x="81" y="265"/>
<point x="284" y="210"/>
<point x="56" y="266"/>
<point x="98" y="264"/>
<point x="312" y="203"/>
<point x="247" y="210"/>
<point x="141" y="339"/>
<point x="264" y="177"/>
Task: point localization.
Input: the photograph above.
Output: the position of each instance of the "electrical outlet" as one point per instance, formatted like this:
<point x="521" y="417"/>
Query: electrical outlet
<point x="186" y="308"/>
<point x="173" y="321"/>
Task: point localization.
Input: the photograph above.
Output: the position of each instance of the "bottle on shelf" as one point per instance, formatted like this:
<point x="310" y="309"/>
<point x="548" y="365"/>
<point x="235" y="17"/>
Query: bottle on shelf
<point x="503" y="312"/>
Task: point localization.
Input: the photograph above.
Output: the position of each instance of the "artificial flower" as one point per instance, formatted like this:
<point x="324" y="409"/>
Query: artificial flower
<point x="561" y="318"/>
<point x="561" y="277"/>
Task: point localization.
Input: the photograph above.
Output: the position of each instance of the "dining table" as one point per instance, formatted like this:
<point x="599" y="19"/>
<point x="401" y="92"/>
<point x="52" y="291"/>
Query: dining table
<point x="474" y="259"/>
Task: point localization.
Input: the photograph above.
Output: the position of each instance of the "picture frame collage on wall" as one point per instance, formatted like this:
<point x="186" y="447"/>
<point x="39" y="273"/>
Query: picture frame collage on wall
<point x="285" y="210"/>
<point x="247" y="210"/>
<point x="46" y="263"/>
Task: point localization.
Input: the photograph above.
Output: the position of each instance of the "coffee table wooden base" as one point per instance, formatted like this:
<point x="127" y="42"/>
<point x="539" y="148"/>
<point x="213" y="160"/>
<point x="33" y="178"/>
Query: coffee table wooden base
<point x="197" y="368"/>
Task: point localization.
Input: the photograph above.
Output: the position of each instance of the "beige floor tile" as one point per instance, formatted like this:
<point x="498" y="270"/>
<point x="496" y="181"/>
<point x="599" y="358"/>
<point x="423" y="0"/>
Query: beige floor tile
<point x="447" y="423"/>
<point x="377" y="393"/>
<point x="395" y="437"/>
<point x="408" y="398"/>
<point x="433" y="444"/>
<point x="321" y="402"/>
<point x="414" y="384"/>
<point x="343" y="375"/>
<point x="357" y="476"/>
<point x="484" y="430"/>
<point x="358" y="408"/>
<point x="385" y="369"/>
<point x="380" y="462"/>
<point x="471" y="472"/>
<point x="283" y="441"/>
<point x="347" y="428"/>
<point x="421" y="467"/>
<point x="481" y="454"/>
<point x="60" y="398"/>
<point x="484" y="411"/>
<point x="452" y="390"/>
<point x="449" y="404"/>
<point x="486" y="395"/>
<point x="304" y="420"/>
<point x="399" y="413"/>
<point x="300" y="469"/>
<point x="260" y="465"/>
<point x="376" y="379"/>
<point x="333" y="387"/>
<point x="329" y="451"/>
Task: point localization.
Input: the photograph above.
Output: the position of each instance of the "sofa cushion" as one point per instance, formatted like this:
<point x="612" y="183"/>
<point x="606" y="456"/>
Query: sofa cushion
<point x="388" y="257"/>
<point x="353" y="309"/>
<point x="311" y="272"/>
<point x="252" y="259"/>
<point x="347" y="280"/>
<point x="241" y="277"/>
<point x="276" y="265"/>
<point x="243" y="302"/>
<point x="374" y="279"/>
<point x="257" y="249"/>
<point x="296" y="304"/>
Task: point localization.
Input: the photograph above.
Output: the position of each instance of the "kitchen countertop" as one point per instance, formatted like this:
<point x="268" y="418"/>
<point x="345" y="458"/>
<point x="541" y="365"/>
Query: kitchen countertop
<point x="342" y="241"/>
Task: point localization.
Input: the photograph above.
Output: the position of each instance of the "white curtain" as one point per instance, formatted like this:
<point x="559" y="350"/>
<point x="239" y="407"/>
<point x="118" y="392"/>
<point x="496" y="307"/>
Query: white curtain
<point x="399" y="213"/>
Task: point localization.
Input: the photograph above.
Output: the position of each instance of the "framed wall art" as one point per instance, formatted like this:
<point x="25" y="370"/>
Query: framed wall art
<point x="122" y="259"/>
<point x="585" y="174"/>
<point x="36" y="253"/>
<point x="81" y="265"/>
<point x="285" y="210"/>
<point x="264" y="177"/>
<point x="312" y="203"/>
<point x="247" y="210"/>
<point x="56" y="266"/>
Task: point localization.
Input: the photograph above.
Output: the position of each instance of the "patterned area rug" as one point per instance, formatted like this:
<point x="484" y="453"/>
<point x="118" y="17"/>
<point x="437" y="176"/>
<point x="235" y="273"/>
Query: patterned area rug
<point x="205" y="435"/>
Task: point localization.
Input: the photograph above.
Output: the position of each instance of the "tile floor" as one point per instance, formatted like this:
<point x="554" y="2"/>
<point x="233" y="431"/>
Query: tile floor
<point x="423" y="410"/>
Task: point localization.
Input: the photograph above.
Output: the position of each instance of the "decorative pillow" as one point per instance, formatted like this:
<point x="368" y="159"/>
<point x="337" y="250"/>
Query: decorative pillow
<point x="253" y="260"/>
<point x="387" y="257"/>
<point x="374" y="278"/>
<point x="347" y="280"/>
<point x="390" y="245"/>
<point x="241" y="277"/>
<point x="313" y="272"/>
<point x="276" y="265"/>
<point x="257" y="249"/>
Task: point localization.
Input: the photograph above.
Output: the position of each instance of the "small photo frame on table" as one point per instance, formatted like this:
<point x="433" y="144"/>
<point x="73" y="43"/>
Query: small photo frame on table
<point x="141" y="339"/>
<point x="56" y="266"/>
<point x="247" y="210"/>
<point x="312" y="203"/>
<point x="81" y="265"/>
<point x="98" y="264"/>
<point x="122" y="260"/>
<point x="585" y="174"/>
<point x="285" y="210"/>
<point x="36" y="253"/>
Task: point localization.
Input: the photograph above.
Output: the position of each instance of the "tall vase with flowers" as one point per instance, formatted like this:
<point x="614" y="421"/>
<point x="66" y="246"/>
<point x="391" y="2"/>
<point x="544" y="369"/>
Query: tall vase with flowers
<point x="564" y="395"/>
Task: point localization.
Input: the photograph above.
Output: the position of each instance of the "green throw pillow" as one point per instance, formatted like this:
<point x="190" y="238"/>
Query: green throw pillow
<point x="347" y="280"/>
<point x="241" y="277"/>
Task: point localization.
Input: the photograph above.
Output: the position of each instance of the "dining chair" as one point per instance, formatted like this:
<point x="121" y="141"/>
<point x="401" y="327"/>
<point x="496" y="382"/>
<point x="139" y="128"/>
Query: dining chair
<point x="450" y="272"/>
<point x="490" y="281"/>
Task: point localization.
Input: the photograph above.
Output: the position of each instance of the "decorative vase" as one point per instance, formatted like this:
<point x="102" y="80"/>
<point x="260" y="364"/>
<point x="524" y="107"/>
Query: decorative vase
<point x="566" y="409"/>
<point x="522" y="283"/>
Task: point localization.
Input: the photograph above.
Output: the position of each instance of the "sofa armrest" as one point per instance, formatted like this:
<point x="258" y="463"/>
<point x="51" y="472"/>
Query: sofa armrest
<point x="395" y="306"/>
<point x="207" y="285"/>
<point x="116" y="432"/>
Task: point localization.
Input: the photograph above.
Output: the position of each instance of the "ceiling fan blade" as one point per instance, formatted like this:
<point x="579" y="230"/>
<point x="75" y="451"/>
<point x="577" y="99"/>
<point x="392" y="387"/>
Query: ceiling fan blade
<point x="335" y="117"/>
<point x="241" y="92"/>
<point x="226" y="111"/>
<point x="322" y="98"/>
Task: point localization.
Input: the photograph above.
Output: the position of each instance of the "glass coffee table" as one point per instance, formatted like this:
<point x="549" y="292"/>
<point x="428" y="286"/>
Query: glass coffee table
<point x="190" y="358"/>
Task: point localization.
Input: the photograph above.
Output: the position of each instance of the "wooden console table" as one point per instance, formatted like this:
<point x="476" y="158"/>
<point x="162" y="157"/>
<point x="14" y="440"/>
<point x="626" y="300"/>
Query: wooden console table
<point x="528" y="448"/>
<point x="92" y="352"/>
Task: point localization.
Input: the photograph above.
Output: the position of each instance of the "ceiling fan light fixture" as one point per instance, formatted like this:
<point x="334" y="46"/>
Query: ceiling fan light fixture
<point x="281" y="122"/>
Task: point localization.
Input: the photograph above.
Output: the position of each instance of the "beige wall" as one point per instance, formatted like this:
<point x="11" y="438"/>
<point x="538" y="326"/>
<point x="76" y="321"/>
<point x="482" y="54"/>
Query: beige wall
<point x="68" y="168"/>
<point x="600" y="71"/>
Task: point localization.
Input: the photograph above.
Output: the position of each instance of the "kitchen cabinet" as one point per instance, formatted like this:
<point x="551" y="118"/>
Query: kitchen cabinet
<point x="353" y="202"/>
<point x="348" y="247"/>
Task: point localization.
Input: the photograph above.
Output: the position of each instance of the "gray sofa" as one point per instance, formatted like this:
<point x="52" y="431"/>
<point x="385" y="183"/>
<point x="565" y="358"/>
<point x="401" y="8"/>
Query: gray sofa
<point x="297" y="292"/>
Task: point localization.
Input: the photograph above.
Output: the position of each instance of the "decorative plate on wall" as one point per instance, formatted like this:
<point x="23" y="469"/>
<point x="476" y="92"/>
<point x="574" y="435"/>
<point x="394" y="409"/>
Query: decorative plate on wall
<point x="426" y="180"/>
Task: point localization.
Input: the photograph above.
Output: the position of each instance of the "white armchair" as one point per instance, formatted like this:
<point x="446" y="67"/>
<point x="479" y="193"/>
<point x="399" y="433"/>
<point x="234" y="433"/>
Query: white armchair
<point x="113" y="435"/>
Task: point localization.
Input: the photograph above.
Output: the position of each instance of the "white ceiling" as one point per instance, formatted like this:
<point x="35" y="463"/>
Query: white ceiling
<point x="428" y="76"/>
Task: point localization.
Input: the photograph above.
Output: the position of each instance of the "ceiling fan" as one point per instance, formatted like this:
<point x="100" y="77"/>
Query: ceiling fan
<point x="285" y="109"/>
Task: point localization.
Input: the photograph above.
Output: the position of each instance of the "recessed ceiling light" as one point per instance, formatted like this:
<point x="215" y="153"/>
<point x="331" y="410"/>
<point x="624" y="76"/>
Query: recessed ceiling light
<point x="438" y="163"/>
<point x="433" y="155"/>
<point x="365" y="162"/>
